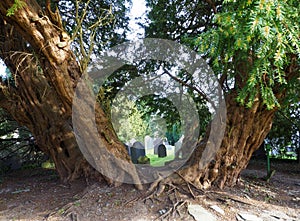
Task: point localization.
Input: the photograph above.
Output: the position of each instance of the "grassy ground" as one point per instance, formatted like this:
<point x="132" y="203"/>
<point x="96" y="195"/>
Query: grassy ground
<point x="156" y="161"/>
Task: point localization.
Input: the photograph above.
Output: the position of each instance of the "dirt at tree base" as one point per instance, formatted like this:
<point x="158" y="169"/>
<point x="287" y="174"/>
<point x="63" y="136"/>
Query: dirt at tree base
<point x="37" y="194"/>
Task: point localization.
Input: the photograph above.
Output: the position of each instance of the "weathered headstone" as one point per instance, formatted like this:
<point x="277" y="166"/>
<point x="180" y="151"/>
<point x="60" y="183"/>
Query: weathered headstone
<point x="178" y="145"/>
<point x="148" y="142"/>
<point x="131" y="142"/>
<point x="162" y="151"/>
<point x="165" y="141"/>
<point x="170" y="150"/>
<point x="156" y="143"/>
<point x="137" y="150"/>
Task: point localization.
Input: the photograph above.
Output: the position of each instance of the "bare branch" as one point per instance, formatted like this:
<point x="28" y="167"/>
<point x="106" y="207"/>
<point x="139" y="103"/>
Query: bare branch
<point x="201" y="93"/>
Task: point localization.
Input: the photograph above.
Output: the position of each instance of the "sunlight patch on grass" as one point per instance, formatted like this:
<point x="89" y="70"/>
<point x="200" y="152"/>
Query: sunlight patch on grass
<point x="156" y="161"/>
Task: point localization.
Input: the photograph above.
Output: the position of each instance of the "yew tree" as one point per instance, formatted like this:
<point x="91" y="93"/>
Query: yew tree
<point x="46" y="53"/>
<point x="253" y="47"/>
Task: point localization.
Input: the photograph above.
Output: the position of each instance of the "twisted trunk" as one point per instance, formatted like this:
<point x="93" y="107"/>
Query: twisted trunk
<point x="244" y="133"/>
<point x="36" y="50"/>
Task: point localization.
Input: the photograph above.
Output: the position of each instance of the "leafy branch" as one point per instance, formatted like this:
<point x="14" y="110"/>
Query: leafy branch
<point x="18" y="4"/>
<point x="262" y="34"/>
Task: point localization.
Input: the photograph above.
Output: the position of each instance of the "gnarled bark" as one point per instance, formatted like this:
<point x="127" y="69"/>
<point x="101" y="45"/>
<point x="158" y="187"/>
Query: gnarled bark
<point x="46" y="72"/>
<point x="245" y="131"/>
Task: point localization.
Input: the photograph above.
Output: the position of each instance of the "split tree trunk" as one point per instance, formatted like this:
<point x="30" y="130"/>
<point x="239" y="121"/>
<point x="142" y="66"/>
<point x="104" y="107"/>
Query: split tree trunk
<point x="46" y="73"/>
<point x="36" y="49"/>
<point x="245" y="131"/>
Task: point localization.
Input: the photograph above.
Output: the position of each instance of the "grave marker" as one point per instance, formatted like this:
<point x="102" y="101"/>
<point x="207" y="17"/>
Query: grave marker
<point x="156" y="143"/>
<point x="148" y="142"/>
<point x="137" y="150"/>
<point x="162" y="151"/>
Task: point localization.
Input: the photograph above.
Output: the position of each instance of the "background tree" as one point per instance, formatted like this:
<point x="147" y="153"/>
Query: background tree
<point x="128" y="122"/>
<point x="17" y="145"/>
<point x="159" y="110"/>
<point x="284" y="136"/>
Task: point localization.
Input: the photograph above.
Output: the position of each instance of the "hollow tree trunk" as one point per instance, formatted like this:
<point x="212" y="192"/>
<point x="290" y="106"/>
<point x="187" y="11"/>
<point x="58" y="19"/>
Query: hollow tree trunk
<point x="36" y="49"/>
<point x="245" y="132"/>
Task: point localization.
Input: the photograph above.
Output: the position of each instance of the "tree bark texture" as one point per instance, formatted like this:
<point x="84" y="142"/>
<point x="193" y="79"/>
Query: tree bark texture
<point x="245" y="131"/>
<point x="37" y="51"/>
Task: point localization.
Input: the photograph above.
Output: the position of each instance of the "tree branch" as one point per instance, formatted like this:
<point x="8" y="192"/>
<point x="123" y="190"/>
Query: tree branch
<point x="201" y="93"/>
<point x="212" y="4"/>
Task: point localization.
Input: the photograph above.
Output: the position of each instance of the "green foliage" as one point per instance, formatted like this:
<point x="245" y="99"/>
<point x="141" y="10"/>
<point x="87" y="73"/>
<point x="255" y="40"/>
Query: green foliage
<point x="94" y="25"/>
<point x="8" y="78"/>
<point x="128" y="122"/>
<point x="12" y="136"/>
<point x="155" y="106"/>
<point x="18" y="4"/>
<point x="159" y="113"/>
<point x="174" y="134"/>
<point x="143" y="160"/>
<point x="48" y="164"/>
<point x="173" y="19"/>
<point x="284" y="136"/>
<point x="264" y="34"/>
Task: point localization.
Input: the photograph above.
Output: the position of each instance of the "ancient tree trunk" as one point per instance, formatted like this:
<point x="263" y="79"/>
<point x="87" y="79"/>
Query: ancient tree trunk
<point x="246" y="129"/>
<point x="245" y="132"/>
<point x="36" y="49"/>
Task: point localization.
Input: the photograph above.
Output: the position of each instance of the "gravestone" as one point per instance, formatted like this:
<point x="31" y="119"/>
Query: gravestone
<point x="165" y="141"/>
<point x="162" y="151"/>
<point x="148" y="142"/>
<point x="170" y="150"/>
<point x="178" y="145"/>
<point x="137" y="150"/>
<point x="156" y="143"/>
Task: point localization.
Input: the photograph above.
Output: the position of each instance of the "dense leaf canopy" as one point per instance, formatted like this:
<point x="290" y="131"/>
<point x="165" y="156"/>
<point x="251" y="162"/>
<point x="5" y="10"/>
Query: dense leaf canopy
<point x="252" y="45"/>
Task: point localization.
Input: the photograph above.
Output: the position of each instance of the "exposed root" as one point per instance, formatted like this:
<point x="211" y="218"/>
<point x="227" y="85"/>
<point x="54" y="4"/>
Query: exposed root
<point x="65" y="211"/>
<point x="224" y="197"/>
<point x="155" y="183"/>
<point x="173" y="210"/>
<point x="190" y="183"/>
<point x="177" y="189"/>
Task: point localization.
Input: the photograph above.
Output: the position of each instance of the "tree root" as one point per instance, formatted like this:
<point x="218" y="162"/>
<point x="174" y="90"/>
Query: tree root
<point x="173" y="210"/>
<point x="174" y="181"/>
<point x="177" y="189"/>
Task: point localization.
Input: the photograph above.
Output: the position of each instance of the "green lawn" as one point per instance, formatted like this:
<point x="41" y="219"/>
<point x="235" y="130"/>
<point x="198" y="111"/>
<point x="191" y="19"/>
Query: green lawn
<point x="156" y="161"/>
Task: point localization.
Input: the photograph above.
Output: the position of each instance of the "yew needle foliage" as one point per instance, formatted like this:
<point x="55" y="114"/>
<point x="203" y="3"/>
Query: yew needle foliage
<point x="263" y="32"/>
<point x="18" y="4"/>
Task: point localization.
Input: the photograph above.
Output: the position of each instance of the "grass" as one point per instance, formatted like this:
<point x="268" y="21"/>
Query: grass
<point x="156" y="161"/>
<point x="284" y="157"/>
